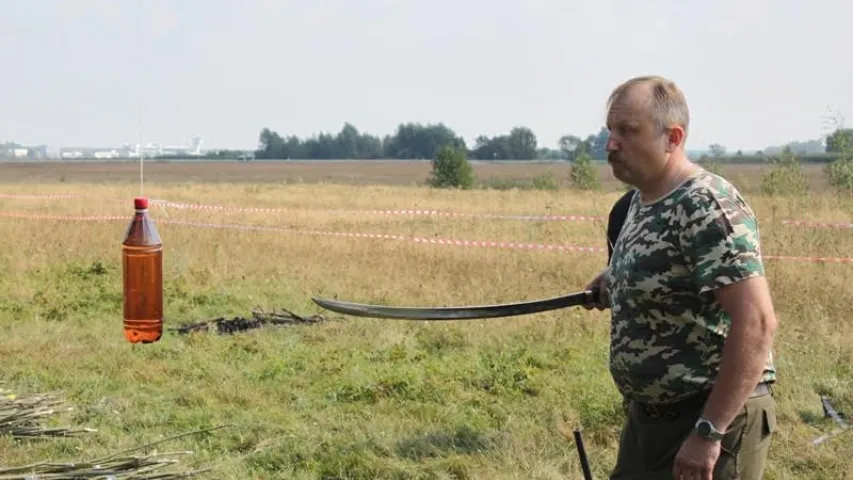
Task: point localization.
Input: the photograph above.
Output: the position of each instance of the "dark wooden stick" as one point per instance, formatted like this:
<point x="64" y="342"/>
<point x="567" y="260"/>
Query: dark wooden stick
<point x="587" y="475"/>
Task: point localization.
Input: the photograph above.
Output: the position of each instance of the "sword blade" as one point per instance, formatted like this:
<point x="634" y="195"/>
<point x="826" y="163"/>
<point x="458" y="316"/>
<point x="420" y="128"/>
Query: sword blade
<point x="459" y="313"/>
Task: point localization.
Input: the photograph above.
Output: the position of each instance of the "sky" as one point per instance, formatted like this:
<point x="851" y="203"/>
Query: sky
<point x="108" y="72"/>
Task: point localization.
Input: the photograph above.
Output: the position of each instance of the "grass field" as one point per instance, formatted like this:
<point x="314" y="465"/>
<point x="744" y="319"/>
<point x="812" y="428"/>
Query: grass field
<point x="365" y="398"/>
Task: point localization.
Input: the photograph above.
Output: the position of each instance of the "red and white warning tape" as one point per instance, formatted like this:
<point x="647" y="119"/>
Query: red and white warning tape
<point x="382" y="236"/>
<point x="391" y="212"/>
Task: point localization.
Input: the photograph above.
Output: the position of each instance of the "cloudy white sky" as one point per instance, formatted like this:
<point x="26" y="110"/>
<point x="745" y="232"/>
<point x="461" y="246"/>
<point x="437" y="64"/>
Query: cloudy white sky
<point x="108" y="72"/>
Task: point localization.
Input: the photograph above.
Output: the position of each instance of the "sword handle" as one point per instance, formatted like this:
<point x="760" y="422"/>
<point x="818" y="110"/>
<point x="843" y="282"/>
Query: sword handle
<point x="593" y="296"/>
<point x="587" y="474"/>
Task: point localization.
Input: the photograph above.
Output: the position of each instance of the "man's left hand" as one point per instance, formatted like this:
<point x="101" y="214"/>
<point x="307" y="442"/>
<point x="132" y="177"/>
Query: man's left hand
<point x="696" y="459"/>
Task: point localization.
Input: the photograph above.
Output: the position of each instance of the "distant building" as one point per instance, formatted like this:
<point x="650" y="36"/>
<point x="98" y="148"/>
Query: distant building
<point x="11" y="150"/>
<point x="150" y="150"/>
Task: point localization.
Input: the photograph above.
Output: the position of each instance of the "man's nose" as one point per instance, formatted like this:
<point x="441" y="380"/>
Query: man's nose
<point x="611" y="144"/>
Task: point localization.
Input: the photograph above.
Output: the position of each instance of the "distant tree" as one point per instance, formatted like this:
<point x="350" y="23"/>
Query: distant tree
<point x="583" y="173"/>
<point x="522" y="143"/>
<point x="839" y="140"/>
<point x="596" y="145"/>
<point x="787" y="177"/>
<point x="717" y="150"/>
<point x="839" y="173"/>
<point x="451" y="169"/>
<point x="571" y="146"/>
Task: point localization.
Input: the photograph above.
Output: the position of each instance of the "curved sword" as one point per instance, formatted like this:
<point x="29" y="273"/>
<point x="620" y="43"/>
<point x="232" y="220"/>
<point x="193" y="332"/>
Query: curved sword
<point x="585" y="297"/>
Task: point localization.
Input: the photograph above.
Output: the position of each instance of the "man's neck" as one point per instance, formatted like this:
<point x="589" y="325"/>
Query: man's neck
<point x="676" y="171"/>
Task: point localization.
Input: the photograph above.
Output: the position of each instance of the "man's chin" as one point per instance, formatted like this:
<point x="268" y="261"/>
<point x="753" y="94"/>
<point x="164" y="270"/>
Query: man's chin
<point x="619" y="173"/>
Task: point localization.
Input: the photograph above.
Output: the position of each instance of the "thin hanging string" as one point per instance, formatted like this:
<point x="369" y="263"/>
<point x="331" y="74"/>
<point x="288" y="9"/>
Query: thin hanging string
<point x="141" y="178"/>
<point x="140" y="63"/>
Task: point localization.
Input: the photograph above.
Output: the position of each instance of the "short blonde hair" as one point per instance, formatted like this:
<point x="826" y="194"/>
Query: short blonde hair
<point x="668" y="104"/>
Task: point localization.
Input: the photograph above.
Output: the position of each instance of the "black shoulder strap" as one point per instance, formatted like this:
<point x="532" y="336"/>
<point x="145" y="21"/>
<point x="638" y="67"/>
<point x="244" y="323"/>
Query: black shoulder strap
<point x="617" y="218"/>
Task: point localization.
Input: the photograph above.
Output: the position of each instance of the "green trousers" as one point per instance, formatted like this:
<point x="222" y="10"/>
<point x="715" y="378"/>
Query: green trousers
<point x="650" y="440"/>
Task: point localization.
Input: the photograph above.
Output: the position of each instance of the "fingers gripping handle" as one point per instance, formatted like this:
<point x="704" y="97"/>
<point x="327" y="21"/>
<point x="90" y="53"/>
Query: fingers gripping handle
<point x="594" y="296"/>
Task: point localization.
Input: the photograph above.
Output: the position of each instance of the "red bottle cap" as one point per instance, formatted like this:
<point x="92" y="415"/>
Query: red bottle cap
<point x="140" y="203"/>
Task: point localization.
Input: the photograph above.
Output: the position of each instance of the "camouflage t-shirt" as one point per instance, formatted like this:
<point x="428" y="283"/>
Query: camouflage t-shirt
<point x="667" y="328"/>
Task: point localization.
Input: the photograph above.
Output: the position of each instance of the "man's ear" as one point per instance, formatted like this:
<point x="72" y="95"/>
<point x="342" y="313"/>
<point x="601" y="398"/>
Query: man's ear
<point x="675" y="138"/>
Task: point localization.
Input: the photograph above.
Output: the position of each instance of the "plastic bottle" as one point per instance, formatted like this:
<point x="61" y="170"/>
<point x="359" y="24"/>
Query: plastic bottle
<point x="142" y="270"/>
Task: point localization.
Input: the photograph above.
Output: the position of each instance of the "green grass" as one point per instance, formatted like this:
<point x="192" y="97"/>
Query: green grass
<point x="356" y="398"/>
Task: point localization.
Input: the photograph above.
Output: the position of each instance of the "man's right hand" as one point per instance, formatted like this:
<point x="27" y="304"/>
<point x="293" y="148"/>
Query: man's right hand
<point x="603" y="297"/>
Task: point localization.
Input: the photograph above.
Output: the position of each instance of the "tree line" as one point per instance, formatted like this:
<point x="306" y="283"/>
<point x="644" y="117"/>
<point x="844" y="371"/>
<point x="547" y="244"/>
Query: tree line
<point x="415" y="141"/>
<point x="424" y="141"/>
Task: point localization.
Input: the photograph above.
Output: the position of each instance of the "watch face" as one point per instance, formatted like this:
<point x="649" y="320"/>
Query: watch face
<point x="704" y="429"/>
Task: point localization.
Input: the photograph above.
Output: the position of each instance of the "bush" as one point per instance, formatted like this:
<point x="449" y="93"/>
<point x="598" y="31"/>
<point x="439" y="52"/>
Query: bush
<point x="786" y="178"/>
<point x="451" y="169"/>
<point x="713" y="166"/>
<point x="584" y="175"/>
<point x="545" y="181"/>
<point x="840" y="172"/>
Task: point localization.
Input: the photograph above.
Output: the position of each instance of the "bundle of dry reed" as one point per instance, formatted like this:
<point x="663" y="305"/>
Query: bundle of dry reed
<point x="121" y="465"/>
<point x="115" y="468"/>
<point x="22" y="416"/>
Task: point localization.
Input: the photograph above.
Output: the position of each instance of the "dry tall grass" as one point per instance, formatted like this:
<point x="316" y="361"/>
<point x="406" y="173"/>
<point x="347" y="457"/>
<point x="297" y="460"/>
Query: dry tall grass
<point x="363" y="398"/>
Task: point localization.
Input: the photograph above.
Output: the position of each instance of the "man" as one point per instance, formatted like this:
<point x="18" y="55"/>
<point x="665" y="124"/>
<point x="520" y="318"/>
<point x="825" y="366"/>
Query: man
<point x="692" y="322"/>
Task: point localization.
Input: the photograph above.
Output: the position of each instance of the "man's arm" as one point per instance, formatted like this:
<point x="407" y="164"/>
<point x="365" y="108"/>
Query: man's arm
<point x="745" y="351"/>
<point x="721" y="241"/>
<point x="748" y="344"/>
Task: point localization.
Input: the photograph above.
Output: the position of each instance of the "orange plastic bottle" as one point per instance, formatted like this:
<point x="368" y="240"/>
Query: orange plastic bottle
<point x="142" y="269"/>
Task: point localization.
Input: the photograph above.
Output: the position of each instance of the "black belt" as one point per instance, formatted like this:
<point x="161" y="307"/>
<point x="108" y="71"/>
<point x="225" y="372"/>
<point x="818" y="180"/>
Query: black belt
<point x="691" y="404"/>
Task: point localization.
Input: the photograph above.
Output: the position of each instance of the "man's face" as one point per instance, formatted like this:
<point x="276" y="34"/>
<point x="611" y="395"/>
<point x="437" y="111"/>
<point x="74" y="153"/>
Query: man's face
<point x="637" y="147"/>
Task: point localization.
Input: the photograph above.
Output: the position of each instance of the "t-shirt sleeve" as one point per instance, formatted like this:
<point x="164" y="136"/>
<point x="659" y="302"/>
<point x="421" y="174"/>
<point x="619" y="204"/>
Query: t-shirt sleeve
<point x="720" y="240"/>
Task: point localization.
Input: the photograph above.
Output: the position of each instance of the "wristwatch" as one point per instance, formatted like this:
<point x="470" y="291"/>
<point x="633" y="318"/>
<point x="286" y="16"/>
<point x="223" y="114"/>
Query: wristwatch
<point x="706" y="429"/>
